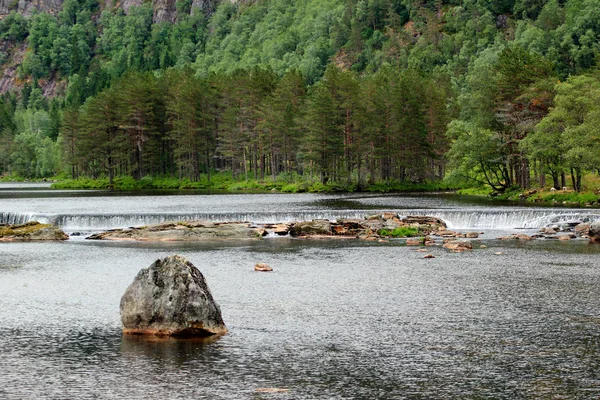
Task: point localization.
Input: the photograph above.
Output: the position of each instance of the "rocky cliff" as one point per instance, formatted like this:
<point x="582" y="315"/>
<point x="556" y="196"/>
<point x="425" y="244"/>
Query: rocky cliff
<point x="164" y="10"/>
<point x="26" y="7"/>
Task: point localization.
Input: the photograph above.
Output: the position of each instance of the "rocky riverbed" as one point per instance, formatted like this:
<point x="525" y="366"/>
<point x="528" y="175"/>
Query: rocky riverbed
<point x="418" y="230"/>
<point x="375" y="227"/>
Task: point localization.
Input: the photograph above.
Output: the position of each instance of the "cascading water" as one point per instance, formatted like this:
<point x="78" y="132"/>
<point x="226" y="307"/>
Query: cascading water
<point x="455" y="219"/>
<point x="508" y="219"/>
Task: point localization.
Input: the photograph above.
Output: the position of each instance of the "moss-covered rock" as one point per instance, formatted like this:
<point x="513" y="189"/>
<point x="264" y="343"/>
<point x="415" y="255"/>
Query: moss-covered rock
<point x="31" y="231"/>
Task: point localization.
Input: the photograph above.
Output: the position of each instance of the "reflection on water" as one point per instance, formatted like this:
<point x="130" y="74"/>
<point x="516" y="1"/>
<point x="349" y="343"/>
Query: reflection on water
<point x="176" y="350"/>
<point x="335" y="320"/>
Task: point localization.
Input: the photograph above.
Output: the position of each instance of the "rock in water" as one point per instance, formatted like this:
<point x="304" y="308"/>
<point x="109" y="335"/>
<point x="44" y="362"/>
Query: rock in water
<point x="594" y="232"/>
<point x="170" y="298"/>
<point x="262" y="267"/>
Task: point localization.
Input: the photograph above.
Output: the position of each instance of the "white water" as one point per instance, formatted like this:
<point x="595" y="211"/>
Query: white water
<point x="455" y="219"/>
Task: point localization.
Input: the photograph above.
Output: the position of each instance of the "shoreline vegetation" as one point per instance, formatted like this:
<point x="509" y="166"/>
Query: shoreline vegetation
<point x="542" y="196"/>
<point x="588" y="197"/>
<point x="225" y="182"/>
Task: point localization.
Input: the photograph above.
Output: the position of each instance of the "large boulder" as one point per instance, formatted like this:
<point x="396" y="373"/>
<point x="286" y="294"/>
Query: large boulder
<point x="171" y="298"/>
<point x="594" y="232"/>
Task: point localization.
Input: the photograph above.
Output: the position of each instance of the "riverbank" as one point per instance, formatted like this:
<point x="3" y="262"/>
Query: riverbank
<point x="544" y="196"/>
<point x="227" y="183"/>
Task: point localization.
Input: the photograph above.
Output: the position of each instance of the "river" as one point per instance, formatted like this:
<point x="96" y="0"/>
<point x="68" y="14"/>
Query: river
<point x="336" y="320"/>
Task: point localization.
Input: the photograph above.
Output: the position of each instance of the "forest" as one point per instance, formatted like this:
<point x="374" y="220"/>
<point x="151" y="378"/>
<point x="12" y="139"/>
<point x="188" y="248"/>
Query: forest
<point x="344" y="93"/>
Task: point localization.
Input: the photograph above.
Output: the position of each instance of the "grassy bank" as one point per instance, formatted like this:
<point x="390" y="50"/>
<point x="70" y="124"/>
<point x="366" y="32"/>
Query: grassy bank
<point x="222" y="181"/>
<point x="542" y="196"/>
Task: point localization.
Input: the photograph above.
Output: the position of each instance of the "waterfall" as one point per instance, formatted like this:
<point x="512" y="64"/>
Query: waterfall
<point x="505" y="218"/>
<point x="509" y="219"/>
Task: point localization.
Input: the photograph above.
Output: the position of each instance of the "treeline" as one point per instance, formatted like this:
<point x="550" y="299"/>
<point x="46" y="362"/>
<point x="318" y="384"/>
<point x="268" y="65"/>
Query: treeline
<point x="390" y="126"/>
<point x="340" y="90"/>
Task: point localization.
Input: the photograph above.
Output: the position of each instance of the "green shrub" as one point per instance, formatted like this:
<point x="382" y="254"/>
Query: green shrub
<point x="400" y="232"/>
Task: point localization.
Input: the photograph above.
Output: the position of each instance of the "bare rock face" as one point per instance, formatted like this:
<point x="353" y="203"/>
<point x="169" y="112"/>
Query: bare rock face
<point x="171" y="298"/>
<point x="27" y="7"/>
<point x="594" y="232"/>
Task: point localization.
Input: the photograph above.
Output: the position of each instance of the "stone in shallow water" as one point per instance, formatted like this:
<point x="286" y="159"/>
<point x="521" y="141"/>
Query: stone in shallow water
<point x="30" y="231"/>
<point x="170" y="298"/>
<point x="594" y="232"/>
<point x="262" y="267"/>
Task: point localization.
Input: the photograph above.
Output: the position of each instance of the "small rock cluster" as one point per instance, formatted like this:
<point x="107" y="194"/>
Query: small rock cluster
<point x="369" y="228"/>
<point x="563" y="232"/>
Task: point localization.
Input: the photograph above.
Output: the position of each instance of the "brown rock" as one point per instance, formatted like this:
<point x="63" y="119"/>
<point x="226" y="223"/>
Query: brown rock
<point x="389" y="215"/>
<point x="459" y="245"/>
<point x="519" y="236"/>
<point x="429" y="256"/>
<point x="423" y="220"/>
<point x="414" y="241"/>
<point x="582" y="229"/>
<point x="279" y="229"/>
<point x="262" y="267"/>
<point x="339" y="229"/>
<point x="472" y="235"/>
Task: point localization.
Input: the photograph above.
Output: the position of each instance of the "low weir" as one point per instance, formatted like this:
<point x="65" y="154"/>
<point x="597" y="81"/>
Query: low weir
<point x="455" y="219"/>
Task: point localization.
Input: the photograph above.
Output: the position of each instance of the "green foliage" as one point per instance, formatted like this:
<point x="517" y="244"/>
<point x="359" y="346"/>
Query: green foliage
<point x="342" y="95"/>
<point x="400" y="232"/>
<point x="13" y="27"/>
<point x="568" y="198"/>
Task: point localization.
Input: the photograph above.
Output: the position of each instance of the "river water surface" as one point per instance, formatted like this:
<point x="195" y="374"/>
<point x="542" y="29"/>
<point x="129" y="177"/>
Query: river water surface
<point x="336" y="320"/>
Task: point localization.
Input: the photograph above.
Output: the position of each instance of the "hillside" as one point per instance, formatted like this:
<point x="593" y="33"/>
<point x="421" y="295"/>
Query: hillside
<point x="462" y="84"/>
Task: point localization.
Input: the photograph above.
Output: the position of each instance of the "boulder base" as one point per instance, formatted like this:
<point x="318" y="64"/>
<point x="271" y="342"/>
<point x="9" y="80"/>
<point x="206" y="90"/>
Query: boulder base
<point x="594" y="232"/>
<point x="170" y="298"/>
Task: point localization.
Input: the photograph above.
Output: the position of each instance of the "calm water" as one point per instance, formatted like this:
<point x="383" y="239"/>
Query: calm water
<point x="336" y="320"/>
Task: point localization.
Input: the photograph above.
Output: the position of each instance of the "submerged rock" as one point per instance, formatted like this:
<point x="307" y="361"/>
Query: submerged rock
<point x="458" y="245"/>
<point x="515" y="236"/>
<point x="170" y="298"/>
<point x="31" y="231"/>
<point x="415" y="241"/>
